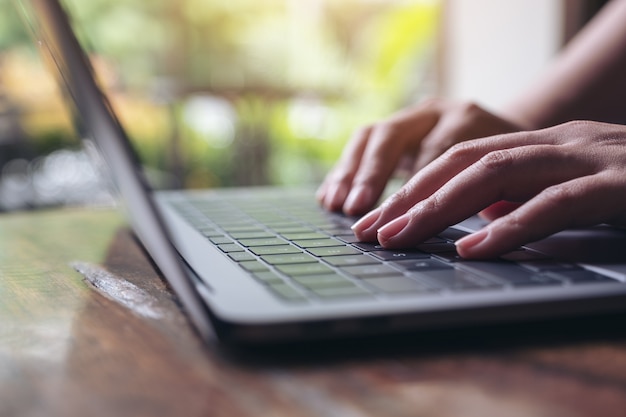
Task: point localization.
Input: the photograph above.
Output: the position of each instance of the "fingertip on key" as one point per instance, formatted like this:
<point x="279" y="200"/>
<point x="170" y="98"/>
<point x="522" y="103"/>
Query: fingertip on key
<point x="389" y="231"/>
<point x="471" y="245"/>
<point x="363" y="227"/>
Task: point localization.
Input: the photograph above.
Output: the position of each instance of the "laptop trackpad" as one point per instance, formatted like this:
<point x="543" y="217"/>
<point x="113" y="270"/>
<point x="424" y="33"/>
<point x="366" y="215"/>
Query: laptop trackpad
<point x="602" y="246"/>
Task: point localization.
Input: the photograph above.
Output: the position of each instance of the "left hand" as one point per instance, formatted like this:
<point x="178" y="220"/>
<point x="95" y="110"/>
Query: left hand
<point x="411" y="139"/>
<point x="570" y="175"/>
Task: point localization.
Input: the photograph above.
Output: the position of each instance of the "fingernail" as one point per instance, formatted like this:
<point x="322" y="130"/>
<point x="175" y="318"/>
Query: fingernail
<point x="359" y="200"/>
<point x="366" y="221"/>
<point x="392" y="228"/>
<point x="469" y="243"/>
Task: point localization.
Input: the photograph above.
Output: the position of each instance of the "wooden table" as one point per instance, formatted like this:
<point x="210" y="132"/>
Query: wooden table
<point x="68" y="350"/>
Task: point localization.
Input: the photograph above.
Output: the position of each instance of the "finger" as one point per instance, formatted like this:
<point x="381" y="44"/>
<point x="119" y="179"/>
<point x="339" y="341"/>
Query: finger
<point x="457" y="125"/>
<point x="389" y="142"/>
<point x="512" y="174"/>
<point x="580" y="202"/>
<point x="423" y="184"/>
<point x="432" y="178"/>
<point x="499" y="209"/>
<point x="442" y="137"/>
<point x="336" y="187"/>
<point x="462" y="122"/>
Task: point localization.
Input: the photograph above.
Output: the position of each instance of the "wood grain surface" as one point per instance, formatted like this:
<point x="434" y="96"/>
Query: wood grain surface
<point x="68" y="349"/>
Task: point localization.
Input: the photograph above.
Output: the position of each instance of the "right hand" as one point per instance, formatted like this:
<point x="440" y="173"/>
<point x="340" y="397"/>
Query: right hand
<point x="414" y="136"/>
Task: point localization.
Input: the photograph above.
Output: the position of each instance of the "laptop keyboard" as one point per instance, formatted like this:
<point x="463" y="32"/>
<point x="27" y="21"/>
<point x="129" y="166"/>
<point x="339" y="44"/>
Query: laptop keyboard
<point x="300" y="252"/>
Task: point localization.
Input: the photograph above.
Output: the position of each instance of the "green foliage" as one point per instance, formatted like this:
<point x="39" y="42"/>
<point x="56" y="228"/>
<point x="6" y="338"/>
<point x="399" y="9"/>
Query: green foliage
<point x="299" y="75"/>
<point x="11" y="27"/>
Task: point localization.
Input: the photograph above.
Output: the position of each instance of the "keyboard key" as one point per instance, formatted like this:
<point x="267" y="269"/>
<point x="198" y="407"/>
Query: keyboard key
<point x="422" y="265"/>
<point x="230" y="247"/>
<point x="435" y="239"/>
<point x="351" y="260"/>
<point x="239" y="227"/>
<point x="274" y="250"/>
<point x="452" y="256"/>
<point x="210" y="232"/>
<point x="348" y="238"/>
<point x="437" y="247"/>
<point x="452" y="234"/>
<point x="241" y="256"/>
<point x="289" y="258"/>
<point x="341" y="292"/>
<point x="268" y="277"/>
<point x="334" y="251"/>
<point x="388" y="255"/>
<point x="304" y="269"/>
<point x="272" y="241"/>
<point x="368" y="247"/>
<point x="254" y="266"/>
<point x="286" y="292"/>
<point x="336" y="230"/>
<point x="291" y="228"/>
<point x="401" y="284"/>
<point x="220" y="240"/>
<point x="257" y="234"/>
<point x="270" y="219"/>
<point x="523" y="255"/>
<point x="316" y="220"/>
<point x="368" y="271"/>
<point x="323" y="280"/>
<point x="318" y="243"/>
<point x="304" y="236"/>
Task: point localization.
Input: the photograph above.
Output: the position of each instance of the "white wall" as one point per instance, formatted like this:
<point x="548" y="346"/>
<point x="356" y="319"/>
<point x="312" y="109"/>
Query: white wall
<point x="494" y="48"/>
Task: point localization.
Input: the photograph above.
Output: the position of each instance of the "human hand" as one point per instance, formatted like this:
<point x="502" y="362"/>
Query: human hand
<point x="412" y="137"/>
<point x="570" y="175"/>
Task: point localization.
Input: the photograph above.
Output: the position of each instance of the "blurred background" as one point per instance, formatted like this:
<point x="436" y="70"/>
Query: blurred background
<point x="248" y="92"/>
<point x="216" y="93"/>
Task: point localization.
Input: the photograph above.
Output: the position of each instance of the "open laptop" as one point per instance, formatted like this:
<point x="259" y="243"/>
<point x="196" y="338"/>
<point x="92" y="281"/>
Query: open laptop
<point x="266" y="265"/>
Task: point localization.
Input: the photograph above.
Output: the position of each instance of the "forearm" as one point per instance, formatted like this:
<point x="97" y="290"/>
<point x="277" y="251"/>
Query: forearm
<point x="586" y="81"/>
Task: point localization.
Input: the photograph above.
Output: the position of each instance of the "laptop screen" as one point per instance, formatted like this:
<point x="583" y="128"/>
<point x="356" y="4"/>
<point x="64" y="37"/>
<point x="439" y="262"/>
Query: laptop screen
<point x="58" y="44"/>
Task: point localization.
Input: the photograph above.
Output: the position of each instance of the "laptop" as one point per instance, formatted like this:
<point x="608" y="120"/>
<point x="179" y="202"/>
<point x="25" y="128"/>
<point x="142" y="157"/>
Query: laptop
<point x="255" y="266"/>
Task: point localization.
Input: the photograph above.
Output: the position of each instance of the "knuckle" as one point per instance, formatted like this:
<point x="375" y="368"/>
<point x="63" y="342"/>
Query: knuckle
<point x="436" y="147"/>
<point x="385" y="131"/>
<point x="515" y="221"/>
<point x="432" y="204"/>
<point x="497" y="160"/>
<point x="468" y="108"/>
<point x="461" y="151"/>
<point x="560" y="196"/>
<point x="577" y="124"/>
<point x="572" y="133"/>
<point x="399" y="198"/>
